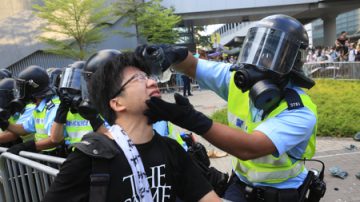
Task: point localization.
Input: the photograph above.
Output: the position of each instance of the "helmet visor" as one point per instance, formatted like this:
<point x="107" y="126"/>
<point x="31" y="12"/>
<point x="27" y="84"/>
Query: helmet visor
<point x="71" y="80"/>
<point x="20" y="90"/>
<point x="269" y="49"/>
<point x="85" y="80"/>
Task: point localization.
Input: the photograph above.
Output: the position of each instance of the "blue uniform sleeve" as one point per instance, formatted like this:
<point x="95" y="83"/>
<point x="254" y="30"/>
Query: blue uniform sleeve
<point x="290" y="130"/>
<point x="214" y="76"/>
<point x="29" y="125"/>
<point x="26" y="114"/>
<point x="161" y="127"/>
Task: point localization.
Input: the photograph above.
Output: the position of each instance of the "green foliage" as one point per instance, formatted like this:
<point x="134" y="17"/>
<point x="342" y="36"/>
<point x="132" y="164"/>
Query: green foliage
<point x="203" y="41"/>
<point x="220" y="116"/>
<point x="73" y="25"/>
<point x="153" y="22"/>
<point x="338" y="106"/>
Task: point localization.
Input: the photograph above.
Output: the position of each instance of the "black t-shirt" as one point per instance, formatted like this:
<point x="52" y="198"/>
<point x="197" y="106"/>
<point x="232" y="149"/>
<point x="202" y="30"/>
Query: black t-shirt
<point x="170" y="171"/>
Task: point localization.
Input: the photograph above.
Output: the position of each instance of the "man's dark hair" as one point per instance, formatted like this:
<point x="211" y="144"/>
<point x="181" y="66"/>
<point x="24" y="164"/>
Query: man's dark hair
<point x="107" y="79"/>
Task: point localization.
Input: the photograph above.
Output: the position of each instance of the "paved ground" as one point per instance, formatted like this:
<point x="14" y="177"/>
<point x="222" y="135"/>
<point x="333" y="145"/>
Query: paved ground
<point x="333" y="151"/>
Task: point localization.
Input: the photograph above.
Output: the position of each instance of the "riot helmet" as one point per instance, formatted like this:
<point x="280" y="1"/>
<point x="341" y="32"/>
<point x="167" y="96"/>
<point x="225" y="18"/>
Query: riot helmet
<point x="70" y="84"/>
<point x="32" y="82"/>
<point x="5" y="73"/>
<point x="269" y="53"/>
<point x="7" y="87"/>
<point x="54" y="75"/>
<point x="97" y="60"/>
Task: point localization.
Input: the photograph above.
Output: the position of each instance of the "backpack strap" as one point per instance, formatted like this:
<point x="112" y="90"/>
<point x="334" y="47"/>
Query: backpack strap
<point x="101" y="150"/>
<point x="99" y="179"/>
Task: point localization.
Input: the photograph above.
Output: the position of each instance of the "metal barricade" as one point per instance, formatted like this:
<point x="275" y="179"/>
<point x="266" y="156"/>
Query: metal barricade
<point x="334" y="70"/>
<point x="26" y="177"/>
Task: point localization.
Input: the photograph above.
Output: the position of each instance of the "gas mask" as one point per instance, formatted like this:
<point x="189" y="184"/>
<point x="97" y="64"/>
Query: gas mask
<point x="5" y="99"/>
<point x="22" y="95"/>
<point x="264" y="65"/>
<point x="70" y="87"/>
<point x="265" y="87"/>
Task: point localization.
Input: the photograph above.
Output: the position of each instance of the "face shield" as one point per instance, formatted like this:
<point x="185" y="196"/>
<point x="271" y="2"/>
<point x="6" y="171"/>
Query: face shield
<point x="21" y="89"/>
<point x="269" y="49"/>
<point x="70" y="81"/>
<point x="85" y="105"/>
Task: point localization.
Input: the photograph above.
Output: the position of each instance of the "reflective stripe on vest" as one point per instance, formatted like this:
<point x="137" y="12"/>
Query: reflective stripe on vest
<point x="176" y="136"/>
<point x="267" y="169"/>
<point x="76" y="127"/>
<point x="39" y="117"/>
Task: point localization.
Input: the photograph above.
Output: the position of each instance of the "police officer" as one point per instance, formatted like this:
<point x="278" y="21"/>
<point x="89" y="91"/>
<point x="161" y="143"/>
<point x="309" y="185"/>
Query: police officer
<point x="272" y="120"/>
<point x="33" y="86"/>
<point x="67" y="117"/>
<point x="7" y="138"/>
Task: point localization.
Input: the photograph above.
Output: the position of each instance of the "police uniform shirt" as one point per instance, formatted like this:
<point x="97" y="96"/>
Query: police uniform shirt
<point x="161" y="127"/>
<point x="28" y="111"/>
<point x="289" y="131"/>
<point x="29" y="124"/>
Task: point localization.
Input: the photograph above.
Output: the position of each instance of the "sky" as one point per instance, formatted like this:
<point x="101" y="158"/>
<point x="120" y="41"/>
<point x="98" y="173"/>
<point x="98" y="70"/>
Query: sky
<point x="211" y="28"/>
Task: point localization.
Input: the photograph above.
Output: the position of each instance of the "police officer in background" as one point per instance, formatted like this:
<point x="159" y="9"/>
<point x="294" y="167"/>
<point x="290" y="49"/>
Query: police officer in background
<point x="272" y="121"/>
<point x="67" y="117"/>
<point x="33" y="86"/>
<point x="7" y="138"/>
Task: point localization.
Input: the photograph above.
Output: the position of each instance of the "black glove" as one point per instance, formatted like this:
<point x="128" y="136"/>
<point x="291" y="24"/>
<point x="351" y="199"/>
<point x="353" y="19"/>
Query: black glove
<point x="4" y="123"/>
<point x="161" y="56"/>
<point x="63" y="109"/>
<point x="26" y="146"/>
<point x="181" y="113"/>
<point x="94" y="118"/>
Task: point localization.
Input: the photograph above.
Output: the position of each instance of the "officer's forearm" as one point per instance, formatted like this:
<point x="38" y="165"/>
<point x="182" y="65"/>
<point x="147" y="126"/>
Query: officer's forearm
<point x="238" y="143"/>
<point x="18" y="129"/>
<point x="7" y="136"/>
<point x="188" y="66"/>
<point x="45" y="144"/>
<point x="57" y="133"/>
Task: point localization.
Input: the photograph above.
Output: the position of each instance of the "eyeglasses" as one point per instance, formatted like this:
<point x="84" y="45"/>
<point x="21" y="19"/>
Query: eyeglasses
<point x="138" y="76"/>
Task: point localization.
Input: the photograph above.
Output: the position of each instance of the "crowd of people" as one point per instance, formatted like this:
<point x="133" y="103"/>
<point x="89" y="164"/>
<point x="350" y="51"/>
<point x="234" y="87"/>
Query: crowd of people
<point x="343" y="51"/>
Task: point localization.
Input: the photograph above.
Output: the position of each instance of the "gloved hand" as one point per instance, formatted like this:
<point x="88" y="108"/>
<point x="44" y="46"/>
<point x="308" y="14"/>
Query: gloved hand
<point x="63" y="109"/>
<point x="161" y="56"/>
<point x="4" y="123"/>
<point x="181" y="113"/>
<point x="26" y="146"/>
<point x="94" y="118"/>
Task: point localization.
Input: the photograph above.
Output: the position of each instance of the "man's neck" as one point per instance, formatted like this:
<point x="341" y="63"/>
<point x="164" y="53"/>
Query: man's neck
<point x="136" y="127"/>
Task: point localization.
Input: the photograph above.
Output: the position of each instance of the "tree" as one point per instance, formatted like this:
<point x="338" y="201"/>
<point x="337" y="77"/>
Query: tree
<point x="73" y="25"/>
<point x="152" y="21"/>
<point x="201" y="40"/>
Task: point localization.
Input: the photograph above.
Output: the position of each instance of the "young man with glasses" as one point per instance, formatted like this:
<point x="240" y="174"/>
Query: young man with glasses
<point x="141" y="165"/>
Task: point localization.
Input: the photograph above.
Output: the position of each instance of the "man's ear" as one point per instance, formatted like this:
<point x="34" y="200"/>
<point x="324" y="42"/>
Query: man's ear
<point x="117" y="105"/>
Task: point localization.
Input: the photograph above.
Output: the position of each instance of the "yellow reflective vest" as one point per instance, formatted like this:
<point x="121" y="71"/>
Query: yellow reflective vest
<point x="176" y="136"/>
<point x="76" y="127"/>
<point x="267" y="169"/>
<point x="39" y="123"/>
